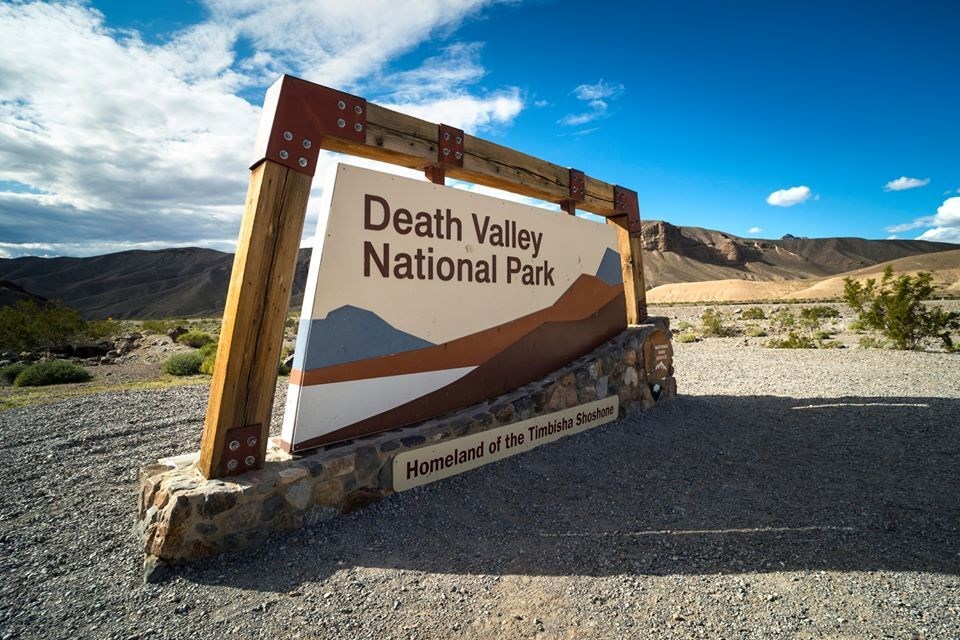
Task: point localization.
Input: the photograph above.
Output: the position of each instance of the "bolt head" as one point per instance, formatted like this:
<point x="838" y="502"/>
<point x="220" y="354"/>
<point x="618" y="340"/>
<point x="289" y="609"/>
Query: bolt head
<point x="251" y="441"/>
<point x="446" y="136"/>
<point x="341" y="123"/>
<point x="232" y="464"/>
<point x="459" y="140"/>
<point x="446" y="151"/>
<point x="358" y="109"/>
<point x="302" y="162"/>
<point x="250" y="460"/>
<point x="234" y="445"/>
<point x="306" y="143"/>
<point x="458" y="155"/>
<point x="341" y="104"/>
<point x="284" y="154"/>
<point x="287" y="136"/>
<point x="358" y="127"/>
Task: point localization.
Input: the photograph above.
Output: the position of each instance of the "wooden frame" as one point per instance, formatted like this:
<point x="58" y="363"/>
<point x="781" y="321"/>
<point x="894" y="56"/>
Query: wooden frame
<point x="300" y="118"/>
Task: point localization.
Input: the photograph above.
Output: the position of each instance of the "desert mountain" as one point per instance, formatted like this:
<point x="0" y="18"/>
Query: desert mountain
<point x="193" y="282"/>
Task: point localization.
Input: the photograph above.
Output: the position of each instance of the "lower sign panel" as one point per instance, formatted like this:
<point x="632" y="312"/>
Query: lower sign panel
<point x="429" y="464"/>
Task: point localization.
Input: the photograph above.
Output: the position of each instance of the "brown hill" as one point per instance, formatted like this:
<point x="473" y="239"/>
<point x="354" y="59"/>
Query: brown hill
<point x="944" y="265"/>
<point x="193" y="282"/>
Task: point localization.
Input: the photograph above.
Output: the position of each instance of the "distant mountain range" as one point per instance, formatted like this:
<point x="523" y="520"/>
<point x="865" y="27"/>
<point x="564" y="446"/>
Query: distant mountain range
<point x="193" y="282"/>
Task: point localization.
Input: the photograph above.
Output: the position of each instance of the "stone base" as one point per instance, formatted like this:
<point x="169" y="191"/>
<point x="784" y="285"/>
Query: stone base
<point x="184" y="517"/>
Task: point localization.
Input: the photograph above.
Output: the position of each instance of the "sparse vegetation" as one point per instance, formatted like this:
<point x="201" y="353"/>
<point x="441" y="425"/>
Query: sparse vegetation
<point x="208" y="353"/>
<point x="184" y="364"/>
<point x="196" y="339"/>
<point x="27" y="326"/>
<point x="51" y="372"/>
<point x="819" y="312"/>
<point x="159" y="326"/>
<point x="872" y="342"/>
<point x="753" y="313"/>
<point x="894" y="307"/>
<point x="793" y="340"/>
<point x="783" y="320"/>
<point x="103" y="329"/>
<point x="754" y="331"/>
<point x="712" y="324"/>
<point x="686" y="337"/>
<point x="10" y="372"/>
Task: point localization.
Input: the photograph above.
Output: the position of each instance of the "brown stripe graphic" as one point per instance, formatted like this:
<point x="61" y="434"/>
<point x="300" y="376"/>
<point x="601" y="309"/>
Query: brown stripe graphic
<point x="584" y="297"/>
<point x="545" y="348"/>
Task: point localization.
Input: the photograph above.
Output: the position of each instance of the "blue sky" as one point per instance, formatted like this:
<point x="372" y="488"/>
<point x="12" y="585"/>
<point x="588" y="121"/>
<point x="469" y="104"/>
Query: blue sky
<point x="129" y="125"/>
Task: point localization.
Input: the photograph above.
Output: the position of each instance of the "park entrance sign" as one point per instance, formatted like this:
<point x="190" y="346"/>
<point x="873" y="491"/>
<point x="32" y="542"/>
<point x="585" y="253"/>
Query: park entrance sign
<point x="422" y="299"/>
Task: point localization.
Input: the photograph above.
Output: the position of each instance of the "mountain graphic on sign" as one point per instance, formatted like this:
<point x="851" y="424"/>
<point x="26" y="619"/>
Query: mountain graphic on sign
<point x="350" y="333"/>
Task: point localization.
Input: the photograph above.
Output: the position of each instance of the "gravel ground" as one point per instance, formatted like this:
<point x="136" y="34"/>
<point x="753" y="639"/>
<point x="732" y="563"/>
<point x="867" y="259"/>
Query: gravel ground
<point x="786" y="494"/>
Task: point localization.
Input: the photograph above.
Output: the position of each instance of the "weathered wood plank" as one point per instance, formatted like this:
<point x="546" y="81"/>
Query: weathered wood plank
<point x="631" y="263"/>
<point x="244" y="379"/>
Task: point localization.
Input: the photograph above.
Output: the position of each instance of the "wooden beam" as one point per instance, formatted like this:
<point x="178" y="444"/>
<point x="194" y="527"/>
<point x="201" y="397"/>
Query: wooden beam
<point x="631" y="264"/>
<point x="245" y="376"/>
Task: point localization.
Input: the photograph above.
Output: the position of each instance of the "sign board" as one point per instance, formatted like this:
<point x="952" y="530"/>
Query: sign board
<point x="429" y="464"/>
<point x="422" y="299"/>
<point x="658" y="356"/>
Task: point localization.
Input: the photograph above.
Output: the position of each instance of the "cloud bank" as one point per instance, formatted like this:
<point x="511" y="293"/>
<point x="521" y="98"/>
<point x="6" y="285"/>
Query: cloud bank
<point x="943" y="226"/>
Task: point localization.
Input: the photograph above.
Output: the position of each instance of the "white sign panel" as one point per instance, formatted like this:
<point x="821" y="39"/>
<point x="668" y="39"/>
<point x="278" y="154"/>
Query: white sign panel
<point x="423" y="298"/>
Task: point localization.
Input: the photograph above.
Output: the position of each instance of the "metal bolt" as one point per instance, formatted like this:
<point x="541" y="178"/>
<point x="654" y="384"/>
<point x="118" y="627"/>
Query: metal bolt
<point x="358" y="127"/>
<point x="446" y="151"/>
<point x="341" y="123"/>
<point x="252" y="440"/>
<point x="307" y="144"/>
<point x="283" y="154"/>
<point x="232" y="464"/>
<point x="250" y="460"/>
<point x="287" y="136"/>
<point x="341" y="104"/>
<point x="459" y="140"/>
<point x="303" y="162"/>
<point x="234" y="445"/>
<point x="446" y="135"/>
<point x="358" y="109"/>
<point x="458" y="155"/>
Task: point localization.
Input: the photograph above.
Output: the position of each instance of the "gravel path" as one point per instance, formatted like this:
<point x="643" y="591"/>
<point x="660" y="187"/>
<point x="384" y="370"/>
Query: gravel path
<point x="786" y="494"/>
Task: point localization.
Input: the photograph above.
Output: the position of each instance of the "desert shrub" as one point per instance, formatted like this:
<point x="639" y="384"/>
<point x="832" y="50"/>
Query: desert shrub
<point x="100" y="329"/>
<point x="51" y="372"/>
<point x="183" y="364"/>
<point x="754" y="331"/>
<point x="793" y="340"/>
<point x="29" y="326"/>
<point x="819" y="312"/>
<point x="872" y="342"/>
<point x="712" y="324"/>
<point x="208" y="353"/>
<point x="753" y="313"/>
<point x="895" y="308"/>
<point x="686" y="337"/>
<point x="682" y="325"/>
<point x="196" y="339"/>
<point x="159" y="326"/>
<point x="10" y="372"/>
<point x="783" y="320"/>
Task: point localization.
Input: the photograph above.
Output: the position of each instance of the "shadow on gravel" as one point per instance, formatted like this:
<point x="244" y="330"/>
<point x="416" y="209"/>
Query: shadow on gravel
<point x="708" y="484"/>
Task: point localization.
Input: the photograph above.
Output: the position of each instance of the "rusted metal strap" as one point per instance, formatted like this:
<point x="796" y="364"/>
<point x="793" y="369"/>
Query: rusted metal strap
<point x="625" y="202"/>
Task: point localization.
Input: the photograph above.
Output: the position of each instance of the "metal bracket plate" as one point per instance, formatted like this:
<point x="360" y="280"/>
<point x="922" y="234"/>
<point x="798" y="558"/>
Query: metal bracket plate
<point x="241" y="450"/>
<point x="625" y="202"/>
<point x="297" y="114"/>
<point x="449" y="145"/>
<point x="578" y="189"/>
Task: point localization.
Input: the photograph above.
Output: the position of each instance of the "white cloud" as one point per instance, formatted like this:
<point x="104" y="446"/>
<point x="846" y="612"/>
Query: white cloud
<point x="944" y="226"/>
<point x="892" y="237"/>
<point x="596" y="97"/>
<point x="903" y="182"/>
<point x="108" y="142"/>
<point x="755" y="230"/>
<point x="789" y="197"/>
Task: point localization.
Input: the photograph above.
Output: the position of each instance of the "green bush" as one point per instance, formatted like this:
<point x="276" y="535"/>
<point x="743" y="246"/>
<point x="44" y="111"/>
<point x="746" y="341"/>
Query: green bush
<point x="753" y="313"/>
<point x="11" y="371"/>
<point x="196" y="339"/>
<point x="783" y="320"/>
<point x="712" y="323"/>
<point x="184" y="364"/>
<point x="686" y="337"/>
<point x="754" y="331"/>
<point x="52" y="372"/>
<point x="100" y="329"/>
<point x="872" y="342"/>
<point x="682" y="325"/>
<point x="793" y="340"/>
<point x="819" y="312"/>
<point x="209" y="354"/>
<point x="159" y="326"/>
<point x="895" y="308"/>
<point x="29" y="326"/>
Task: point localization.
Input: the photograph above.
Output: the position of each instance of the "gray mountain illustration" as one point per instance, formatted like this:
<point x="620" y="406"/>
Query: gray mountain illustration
<point x="348" y="334"/>
<point x="609" y="269"/>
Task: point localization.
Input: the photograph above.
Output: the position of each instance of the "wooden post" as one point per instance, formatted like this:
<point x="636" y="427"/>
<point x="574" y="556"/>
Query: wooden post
<point x="631" y="263"/>
<point x="245" y="376"/>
